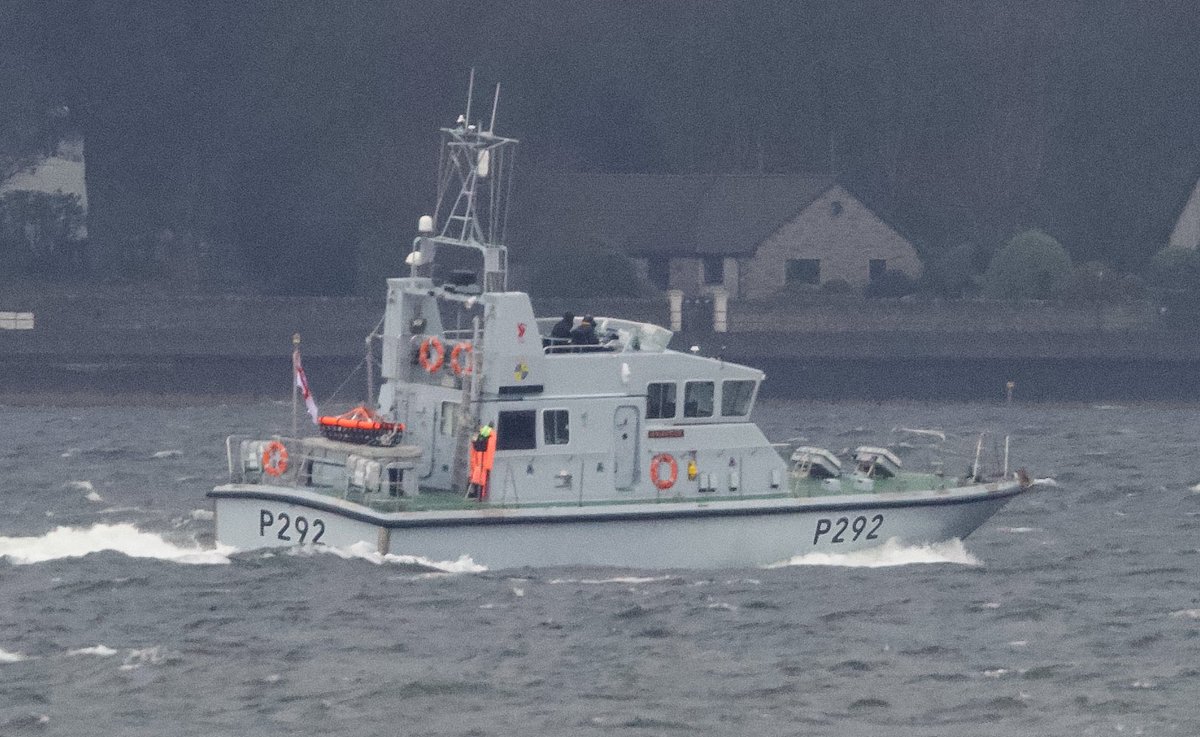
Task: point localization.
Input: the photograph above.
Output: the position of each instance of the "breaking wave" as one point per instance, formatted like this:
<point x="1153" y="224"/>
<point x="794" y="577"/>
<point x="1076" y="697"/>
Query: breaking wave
<point x="7" y="657"/>
<point x="86" y="486"/>
<point x="890" y="553"/>
<point x="615" y="579"/>
<point x="125" y="538"/>
<point x="100" y="651"/>
<point x="367" y="552"/>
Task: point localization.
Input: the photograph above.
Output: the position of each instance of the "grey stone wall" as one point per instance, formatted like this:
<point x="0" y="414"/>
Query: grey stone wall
<point x="247" y="327"/>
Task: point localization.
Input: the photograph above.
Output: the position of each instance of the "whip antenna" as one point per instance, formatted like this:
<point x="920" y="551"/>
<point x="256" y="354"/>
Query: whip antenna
<point x="470" y="91"/>
<point x="495" y="104"/>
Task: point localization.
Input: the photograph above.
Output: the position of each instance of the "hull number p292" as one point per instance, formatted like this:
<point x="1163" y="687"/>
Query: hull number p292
<point x="290" y="529"/>
<point x="847" y="529"/>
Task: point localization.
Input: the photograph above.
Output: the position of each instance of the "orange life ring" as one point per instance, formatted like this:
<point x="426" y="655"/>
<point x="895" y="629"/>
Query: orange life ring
<point x="464" y="351"/>
<point x="656" y="466"/>
<point x="274" y="458"/>
<point x="434" y="346"/>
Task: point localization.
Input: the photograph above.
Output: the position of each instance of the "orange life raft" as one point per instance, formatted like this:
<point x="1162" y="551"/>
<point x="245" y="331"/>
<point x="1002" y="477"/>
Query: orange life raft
<point x="362" y="426"/>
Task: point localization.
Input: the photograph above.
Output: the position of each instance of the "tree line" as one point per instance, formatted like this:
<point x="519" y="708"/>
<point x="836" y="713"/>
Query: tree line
<point x="291" y="145"/>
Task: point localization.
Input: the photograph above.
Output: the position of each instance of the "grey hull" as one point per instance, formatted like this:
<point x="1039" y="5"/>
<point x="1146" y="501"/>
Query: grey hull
<point x="655" y="535"/>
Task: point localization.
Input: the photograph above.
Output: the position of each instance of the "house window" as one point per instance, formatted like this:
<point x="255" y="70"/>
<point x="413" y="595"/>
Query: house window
<point x="555" y="427"/>
<point x="517" y="430"/>
<point x="803" y="271"/>
<point x="735" y="397"/>
<point x="877" y="267"/>
<point x="698" y="399"/>
<point x="660" y="401"/>
<point x="449" y="417"/>
<point x="658" y="270"/>
<point x="714" y="270"/>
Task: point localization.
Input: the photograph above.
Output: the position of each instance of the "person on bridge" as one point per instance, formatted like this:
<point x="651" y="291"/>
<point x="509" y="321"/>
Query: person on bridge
<point x="562" y="328"/>
<point x="560" y="334"/>
<point x="585" y="333"/>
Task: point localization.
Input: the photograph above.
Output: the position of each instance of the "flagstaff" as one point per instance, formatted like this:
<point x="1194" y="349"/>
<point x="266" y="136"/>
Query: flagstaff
<point x="295" y="385"/>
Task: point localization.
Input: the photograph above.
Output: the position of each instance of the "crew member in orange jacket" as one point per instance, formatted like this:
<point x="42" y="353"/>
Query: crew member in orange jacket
<point x="483" y="456"/>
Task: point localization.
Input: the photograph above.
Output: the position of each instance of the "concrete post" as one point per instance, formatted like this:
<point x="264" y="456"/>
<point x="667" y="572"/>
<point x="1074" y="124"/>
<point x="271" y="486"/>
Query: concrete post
<point x="720" y="311"/>
<point x="675" y="298"/>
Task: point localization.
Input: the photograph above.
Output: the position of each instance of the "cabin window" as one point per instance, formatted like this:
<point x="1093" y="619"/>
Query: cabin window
<point x="556" y="427"/>
<point x="714" y="270"/>
<point x="660" y="401"/>
<point x="735" y="397"/>
<point x="876" y="268"/>
<point x="698" y="399"/>
<point x="803" y="271"/>
<point x="327" y="474"/>
<point x="449" y="419"/>
<point x="517" y="430"/>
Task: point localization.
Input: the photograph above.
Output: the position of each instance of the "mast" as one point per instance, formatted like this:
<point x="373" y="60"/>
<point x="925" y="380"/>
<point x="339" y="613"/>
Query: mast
<point x="460" y="247"/>
<point x="474" y="186"/>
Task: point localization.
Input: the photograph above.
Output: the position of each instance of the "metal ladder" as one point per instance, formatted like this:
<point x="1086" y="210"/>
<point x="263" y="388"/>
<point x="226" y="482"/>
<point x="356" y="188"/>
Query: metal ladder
<point x="468" y="415"/>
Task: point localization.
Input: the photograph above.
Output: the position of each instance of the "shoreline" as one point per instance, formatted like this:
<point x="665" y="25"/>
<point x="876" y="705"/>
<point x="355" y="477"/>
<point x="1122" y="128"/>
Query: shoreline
<point x="210" y="381"/>
<point x="812" y="346"/>
<point x="159" y="400"/>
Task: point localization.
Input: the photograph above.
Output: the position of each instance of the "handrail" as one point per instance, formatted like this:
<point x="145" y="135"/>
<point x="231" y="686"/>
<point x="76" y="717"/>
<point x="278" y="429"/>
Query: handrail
<point x="555" y="346"/>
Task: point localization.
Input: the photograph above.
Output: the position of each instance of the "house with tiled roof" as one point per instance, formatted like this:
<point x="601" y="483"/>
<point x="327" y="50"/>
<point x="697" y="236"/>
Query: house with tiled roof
<point x="749" y="235"/>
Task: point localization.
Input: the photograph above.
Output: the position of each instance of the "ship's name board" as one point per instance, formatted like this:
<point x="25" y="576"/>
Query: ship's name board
<point x="665" y="433"/>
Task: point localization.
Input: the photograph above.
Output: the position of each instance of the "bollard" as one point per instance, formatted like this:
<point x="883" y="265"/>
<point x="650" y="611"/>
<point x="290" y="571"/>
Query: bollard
<point x="720" y="311"/>
<point x="675" y="298"/>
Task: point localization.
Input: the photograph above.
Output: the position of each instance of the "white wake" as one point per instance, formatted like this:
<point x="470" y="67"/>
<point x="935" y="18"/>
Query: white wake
<point x="367" y="552"/>
<point x="7" y="657"/>
<point x="890" y="553"/>
<point x="76" y="542"/>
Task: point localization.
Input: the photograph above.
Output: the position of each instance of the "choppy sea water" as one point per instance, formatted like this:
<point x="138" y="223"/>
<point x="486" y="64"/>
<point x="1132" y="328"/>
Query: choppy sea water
<point x="1074" y="611"/>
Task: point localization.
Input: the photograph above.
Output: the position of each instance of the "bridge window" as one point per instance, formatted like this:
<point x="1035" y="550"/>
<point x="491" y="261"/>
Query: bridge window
<point x="735" y="397"/>
<point x="698" y="399"/>
<point x="555" y="427"/>
<point x="660" y="401"/>
<point x="517" y="430"/>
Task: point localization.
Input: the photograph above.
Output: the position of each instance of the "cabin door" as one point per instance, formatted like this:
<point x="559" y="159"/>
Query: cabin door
<point x="625" y="446"/>
<point x="419" y="420"/>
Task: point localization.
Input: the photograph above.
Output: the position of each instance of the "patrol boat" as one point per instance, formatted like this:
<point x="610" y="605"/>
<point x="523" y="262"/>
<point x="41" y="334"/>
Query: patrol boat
<point x="622" y="452"/>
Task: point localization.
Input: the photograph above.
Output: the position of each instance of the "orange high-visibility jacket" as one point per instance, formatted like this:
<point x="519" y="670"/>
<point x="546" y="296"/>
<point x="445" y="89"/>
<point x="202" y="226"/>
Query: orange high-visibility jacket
<point x="482" y="461"/>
